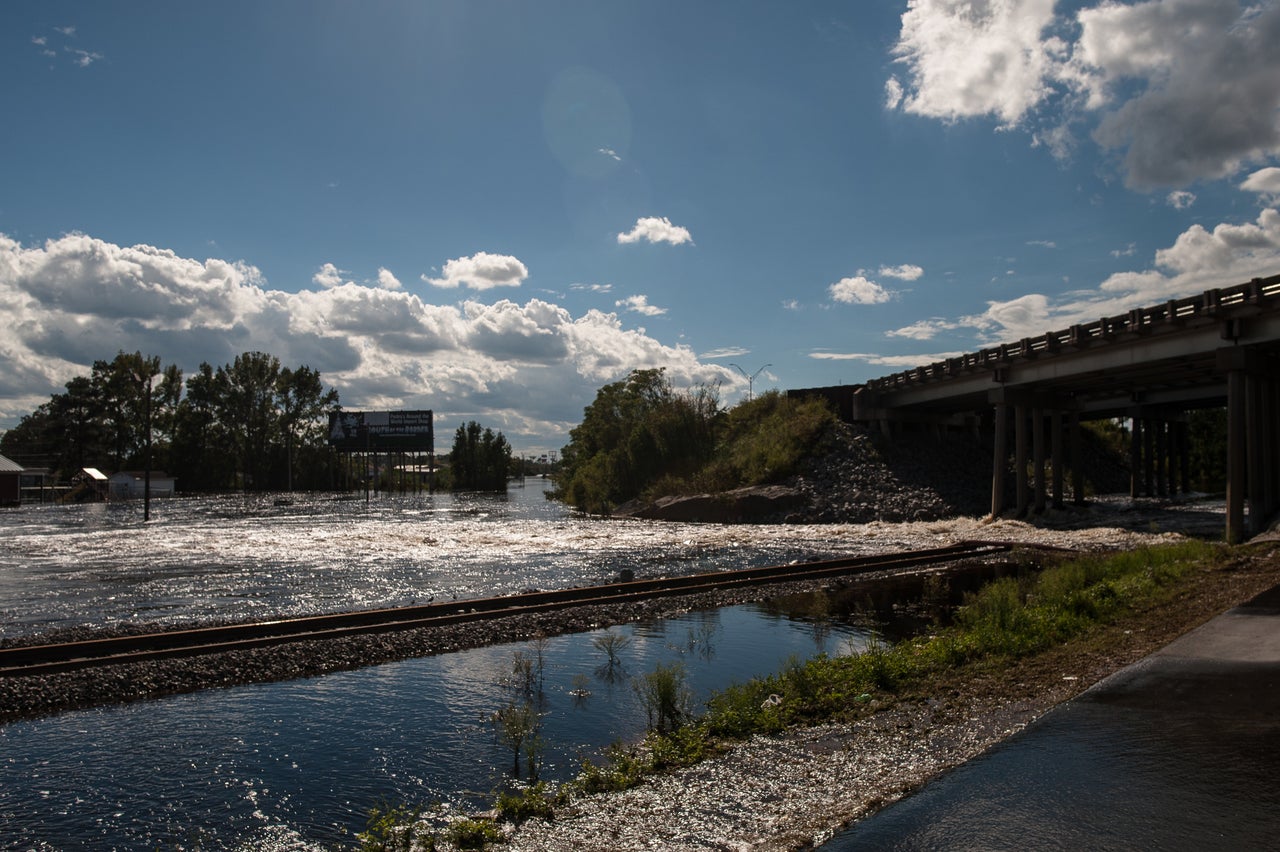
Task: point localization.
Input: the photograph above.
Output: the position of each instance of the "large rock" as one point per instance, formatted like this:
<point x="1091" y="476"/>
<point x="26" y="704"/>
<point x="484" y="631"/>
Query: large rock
<point x="755" y="504"/>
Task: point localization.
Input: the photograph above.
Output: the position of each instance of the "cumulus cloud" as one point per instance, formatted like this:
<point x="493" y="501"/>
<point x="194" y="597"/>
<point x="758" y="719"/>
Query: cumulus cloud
<point x="386" y="280"/>
<point x="640" y="305"/>
<point x="528" y="368"/>
<point x="481" y="271"/>
<point x="328" y="276"/>
<point x="905" y="272"/>
<point x="967" y="59"/>
<point x="858" y="291"/>
<point x="1180" y="199"/>
<point x="656" y="230"/>
<point x="1185" y="88"/>
<point x="1266" y="183"/>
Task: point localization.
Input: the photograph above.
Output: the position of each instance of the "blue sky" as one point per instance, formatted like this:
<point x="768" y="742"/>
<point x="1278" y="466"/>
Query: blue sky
<point x="491" y="209"/>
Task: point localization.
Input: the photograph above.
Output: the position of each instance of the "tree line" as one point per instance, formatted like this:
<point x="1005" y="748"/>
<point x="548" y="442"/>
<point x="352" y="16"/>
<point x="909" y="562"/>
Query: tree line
<point x="251" y="424"/>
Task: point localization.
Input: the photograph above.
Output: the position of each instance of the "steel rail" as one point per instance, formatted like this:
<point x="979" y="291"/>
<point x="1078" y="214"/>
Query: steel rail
<point x="30" y="660"/>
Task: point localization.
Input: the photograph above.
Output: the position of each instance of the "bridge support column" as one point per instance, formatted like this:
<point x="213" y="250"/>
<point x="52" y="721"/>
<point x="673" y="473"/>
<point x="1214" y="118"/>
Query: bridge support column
<point x="1233" y="361"/>
<point x="999" y="458"/>
<point x="1055" y="431"/>
<point x="1162" y="457"/>
<point x="1184" y="455"/>
<point x="1077" y="460"/>
<point x="1254" y="486"/>
<point x="1020" y="457"/>
<point x="1148" y="457"/>
<point x="1038" y="456"/>
<point x="1135" y="454"/>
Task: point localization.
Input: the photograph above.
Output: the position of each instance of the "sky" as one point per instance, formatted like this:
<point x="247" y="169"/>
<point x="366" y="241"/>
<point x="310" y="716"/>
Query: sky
<point x="492" y="209"/>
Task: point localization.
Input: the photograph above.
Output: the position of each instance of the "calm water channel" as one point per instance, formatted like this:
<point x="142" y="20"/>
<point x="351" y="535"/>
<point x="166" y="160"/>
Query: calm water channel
<point x="298" y="765"/>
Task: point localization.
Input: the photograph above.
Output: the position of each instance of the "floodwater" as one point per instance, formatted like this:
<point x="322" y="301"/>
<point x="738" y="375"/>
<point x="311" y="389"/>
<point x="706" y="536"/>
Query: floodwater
<point x="298" y="765"/>
<point x="255" y="557"/>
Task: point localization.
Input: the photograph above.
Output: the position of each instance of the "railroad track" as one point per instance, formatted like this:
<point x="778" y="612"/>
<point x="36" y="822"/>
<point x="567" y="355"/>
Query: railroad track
<point x="27" y="660"/>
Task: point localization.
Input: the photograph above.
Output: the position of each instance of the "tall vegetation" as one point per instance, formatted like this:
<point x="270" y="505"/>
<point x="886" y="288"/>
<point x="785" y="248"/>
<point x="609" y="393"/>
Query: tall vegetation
<point x="480" y="459"/>
<point x="641" y="437"/>
<point x="249" y="424"/>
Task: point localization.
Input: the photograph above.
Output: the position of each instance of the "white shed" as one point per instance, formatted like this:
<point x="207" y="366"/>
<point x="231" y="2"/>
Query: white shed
<point x="130" y="484"/>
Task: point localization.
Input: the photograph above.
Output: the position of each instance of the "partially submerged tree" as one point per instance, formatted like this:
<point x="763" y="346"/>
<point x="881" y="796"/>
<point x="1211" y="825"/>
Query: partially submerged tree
<point x="480" y="459"/>
<point x="636" y="430"/>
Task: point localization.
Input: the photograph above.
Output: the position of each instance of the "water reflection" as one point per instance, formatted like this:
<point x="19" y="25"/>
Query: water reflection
<point x="253" y="766"/>
<point x="238" y="557"/>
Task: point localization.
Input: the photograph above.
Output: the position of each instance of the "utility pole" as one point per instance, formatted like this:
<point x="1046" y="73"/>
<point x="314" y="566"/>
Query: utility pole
<point x="751" y="379"/>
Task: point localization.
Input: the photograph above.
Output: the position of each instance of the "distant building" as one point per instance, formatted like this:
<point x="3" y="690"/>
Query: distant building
<point x="130" y="484"/>
<point x="10" y="482"/>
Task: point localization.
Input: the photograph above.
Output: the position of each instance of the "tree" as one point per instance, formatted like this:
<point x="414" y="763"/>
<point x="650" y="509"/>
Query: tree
<point x="480" y="459"/>
<point x="304" y="408"/>
<point x="636" y="431"/>
<point x="246" y="408"/>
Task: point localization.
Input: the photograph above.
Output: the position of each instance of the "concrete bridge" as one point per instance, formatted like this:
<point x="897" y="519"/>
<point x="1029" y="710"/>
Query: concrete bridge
<point x="1152" y="366"/>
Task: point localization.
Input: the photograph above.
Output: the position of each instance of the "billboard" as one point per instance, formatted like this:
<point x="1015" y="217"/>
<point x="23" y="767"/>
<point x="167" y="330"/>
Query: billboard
<point x="357" y="431"/>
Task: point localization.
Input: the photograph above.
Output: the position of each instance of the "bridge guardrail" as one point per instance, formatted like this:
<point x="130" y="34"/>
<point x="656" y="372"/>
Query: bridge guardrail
<point x="1138" y="321"/>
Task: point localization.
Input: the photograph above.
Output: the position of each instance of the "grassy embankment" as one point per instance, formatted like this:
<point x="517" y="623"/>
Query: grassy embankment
<point x="1009" y="619"/>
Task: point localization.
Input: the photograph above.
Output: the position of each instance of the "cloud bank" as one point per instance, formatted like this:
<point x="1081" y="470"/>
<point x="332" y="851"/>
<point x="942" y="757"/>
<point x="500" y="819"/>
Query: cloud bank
<point x="526" y="368"/>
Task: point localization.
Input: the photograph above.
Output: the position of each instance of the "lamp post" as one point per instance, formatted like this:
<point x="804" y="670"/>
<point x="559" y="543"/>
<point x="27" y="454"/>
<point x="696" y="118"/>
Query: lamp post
<point x="751" y="379"/>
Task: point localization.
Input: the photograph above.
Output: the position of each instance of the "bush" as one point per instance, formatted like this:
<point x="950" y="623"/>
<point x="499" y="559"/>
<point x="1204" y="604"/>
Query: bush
<point x="664" y="693"/>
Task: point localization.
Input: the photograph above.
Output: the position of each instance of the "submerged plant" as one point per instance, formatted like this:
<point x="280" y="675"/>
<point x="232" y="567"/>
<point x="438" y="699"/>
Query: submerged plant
<point x="665" y="695"/>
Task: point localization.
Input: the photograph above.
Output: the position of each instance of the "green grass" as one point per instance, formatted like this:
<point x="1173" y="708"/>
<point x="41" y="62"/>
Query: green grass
<point x="1006" y="619"/>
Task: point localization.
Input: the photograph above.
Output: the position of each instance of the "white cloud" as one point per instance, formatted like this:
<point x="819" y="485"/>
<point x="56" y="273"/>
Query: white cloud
<point x="924" y="329"/>
<point x="656" y="230"/>
<point x="727" y="352"/>
<point x="1265" y="182"/>
<point x="386" y="280"/>
<point x="611" y="154"/>
<point x="593" y="288"/>
<point x="328" y="276"/>
<point x="967" y="59"/>
<point x="481" y="271"/>
<point x="1180" y="199"/>
<point x="528" y="368"/>
<point x="892" y="93"/>
<point x="858" y="291"/>
<point x="640" y="305"/>
<point x="893" y="361"/>
<point x="1186" y="88"/>
<point x="1049" y="244"/>
<point x="905" y="272"/>
<point x="83" y="58"/>
<point x="1206" y="100"/>
<point x="1128" y="251"/>
<point x="791" y="304"/>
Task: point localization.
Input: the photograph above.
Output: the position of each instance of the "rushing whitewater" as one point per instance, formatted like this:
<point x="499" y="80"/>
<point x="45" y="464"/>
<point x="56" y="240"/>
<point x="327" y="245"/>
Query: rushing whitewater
<point x="255" y="557"/>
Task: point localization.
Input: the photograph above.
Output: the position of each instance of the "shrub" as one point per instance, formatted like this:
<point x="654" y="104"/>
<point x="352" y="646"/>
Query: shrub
<point x="664" y="694"/>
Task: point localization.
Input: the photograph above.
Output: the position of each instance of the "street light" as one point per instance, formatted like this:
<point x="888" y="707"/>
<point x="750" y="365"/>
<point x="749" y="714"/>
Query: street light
<point x="751" y="379"/>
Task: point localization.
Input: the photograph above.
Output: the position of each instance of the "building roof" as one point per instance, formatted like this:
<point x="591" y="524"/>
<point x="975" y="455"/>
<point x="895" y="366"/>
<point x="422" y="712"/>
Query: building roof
<point x="94" y="473"/>
<point x="9" y="466"/>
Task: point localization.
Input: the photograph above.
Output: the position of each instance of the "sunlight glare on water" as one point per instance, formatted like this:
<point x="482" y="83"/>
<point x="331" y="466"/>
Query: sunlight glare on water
<point x="242" y="557"/>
